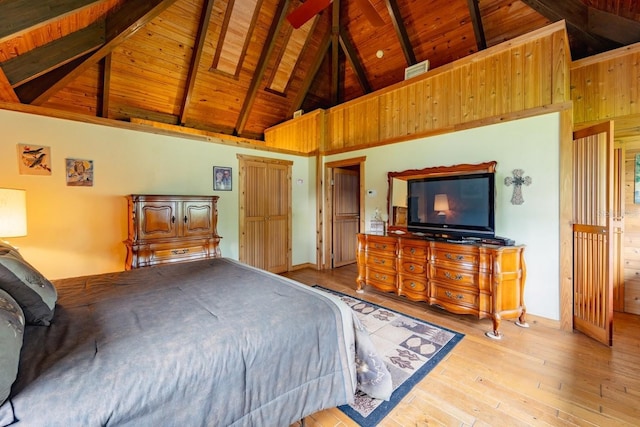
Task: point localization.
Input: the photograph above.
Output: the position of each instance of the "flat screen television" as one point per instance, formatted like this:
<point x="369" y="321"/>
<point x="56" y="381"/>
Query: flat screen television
<point x="461" y="206"/>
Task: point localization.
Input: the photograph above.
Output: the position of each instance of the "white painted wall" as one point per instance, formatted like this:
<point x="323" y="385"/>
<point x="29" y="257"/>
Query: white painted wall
<point x="531" y="144"/>
<point x="75" y="231"/>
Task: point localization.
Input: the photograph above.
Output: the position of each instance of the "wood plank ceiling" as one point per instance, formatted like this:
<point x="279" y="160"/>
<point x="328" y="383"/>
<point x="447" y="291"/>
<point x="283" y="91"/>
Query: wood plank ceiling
<point x="238" y="66"/>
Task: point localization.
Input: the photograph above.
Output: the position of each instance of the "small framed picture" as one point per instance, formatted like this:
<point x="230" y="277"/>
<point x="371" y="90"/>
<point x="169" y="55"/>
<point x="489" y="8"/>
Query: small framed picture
<point x="79" y="172"/>
<point x="222" y="178"/>
<point x="34" y="159"/>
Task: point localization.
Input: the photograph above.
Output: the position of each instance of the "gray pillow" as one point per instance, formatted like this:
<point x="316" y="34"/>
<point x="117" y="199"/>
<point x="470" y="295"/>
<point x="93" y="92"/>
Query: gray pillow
<point x="36" y="295"/>
<point x="11" y="332"/>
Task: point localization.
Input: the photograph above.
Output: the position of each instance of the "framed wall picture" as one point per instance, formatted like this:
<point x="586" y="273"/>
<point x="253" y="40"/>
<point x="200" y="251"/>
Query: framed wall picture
<point x="34" y="159"/>
<point x="222" y="178"/>
<point x="79" y="172"/>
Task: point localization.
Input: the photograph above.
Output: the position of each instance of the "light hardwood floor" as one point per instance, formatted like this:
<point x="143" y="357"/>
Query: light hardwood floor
<point x="532" y="377"/>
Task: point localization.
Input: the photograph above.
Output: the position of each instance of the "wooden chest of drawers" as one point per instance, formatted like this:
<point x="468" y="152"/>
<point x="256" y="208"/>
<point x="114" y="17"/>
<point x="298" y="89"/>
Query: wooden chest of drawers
<point x="381" y="269"/>
<point x="481" y="280"/>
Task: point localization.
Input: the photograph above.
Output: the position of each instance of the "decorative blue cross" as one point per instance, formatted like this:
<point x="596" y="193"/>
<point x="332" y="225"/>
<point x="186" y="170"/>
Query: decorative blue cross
<point x="518" y="181"/>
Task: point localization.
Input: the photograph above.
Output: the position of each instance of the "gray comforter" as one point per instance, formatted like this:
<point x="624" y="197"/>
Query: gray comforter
<point x="213" y="343"/>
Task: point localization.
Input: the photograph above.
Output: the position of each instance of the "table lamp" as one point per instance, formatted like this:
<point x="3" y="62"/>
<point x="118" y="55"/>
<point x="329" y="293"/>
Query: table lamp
<point x="13" y="213"/>
<point x="441" y="204"/>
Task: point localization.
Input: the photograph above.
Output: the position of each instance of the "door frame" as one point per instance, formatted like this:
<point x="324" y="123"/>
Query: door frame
<point x="326" y="237"/>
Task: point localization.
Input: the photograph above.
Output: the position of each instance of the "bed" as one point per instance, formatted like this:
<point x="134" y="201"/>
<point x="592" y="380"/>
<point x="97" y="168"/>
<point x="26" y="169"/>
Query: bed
<point x="210" y="342"/>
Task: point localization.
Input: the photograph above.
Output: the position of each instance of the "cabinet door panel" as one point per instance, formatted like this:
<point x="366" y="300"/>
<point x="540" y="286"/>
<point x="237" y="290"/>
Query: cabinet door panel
<point x="197" y="218"/>
<point x="158" y="220"/>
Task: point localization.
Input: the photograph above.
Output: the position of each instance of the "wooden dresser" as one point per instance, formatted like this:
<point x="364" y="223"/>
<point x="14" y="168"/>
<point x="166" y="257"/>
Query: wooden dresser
<point x="164" y="229"/>
<point x="482" y="280"/>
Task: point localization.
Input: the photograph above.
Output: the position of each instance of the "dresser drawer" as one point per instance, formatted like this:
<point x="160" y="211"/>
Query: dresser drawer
<point x="455" y="276"/>
<point x="160" y="253"/>
<point x="417" y="250"/>
<point x="461" y="257"/>
<point x="186" y="250"/>
<point x="412" y="267"/>
<point x="383" y="280"/>
<point x="446" y="295"/>
<point x="413" y="284"/>
<point x="414" y="288"/>
<point x="382" y="245"/>
<point x="381" y="262"/>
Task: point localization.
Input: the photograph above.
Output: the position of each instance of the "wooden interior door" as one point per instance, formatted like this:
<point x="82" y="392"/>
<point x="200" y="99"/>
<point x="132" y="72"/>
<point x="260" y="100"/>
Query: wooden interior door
<point x="265" y="213"/>
<point x="277" y="223"/>
<point x="345" y="216"/>
<point x="593" y="231"/>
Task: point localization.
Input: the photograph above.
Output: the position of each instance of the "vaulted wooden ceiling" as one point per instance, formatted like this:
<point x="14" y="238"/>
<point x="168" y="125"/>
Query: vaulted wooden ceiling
<point x="238" y="66"/>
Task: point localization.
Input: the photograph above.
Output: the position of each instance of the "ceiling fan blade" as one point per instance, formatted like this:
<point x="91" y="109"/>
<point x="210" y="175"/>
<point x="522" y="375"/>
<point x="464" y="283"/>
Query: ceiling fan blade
<point x="370" y="12"/>
<point x="306" y="11"/>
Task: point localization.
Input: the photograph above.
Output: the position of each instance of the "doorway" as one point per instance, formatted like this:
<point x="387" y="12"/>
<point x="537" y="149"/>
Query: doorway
<point x="344" y="211"/>
<point x="265" y="213"/>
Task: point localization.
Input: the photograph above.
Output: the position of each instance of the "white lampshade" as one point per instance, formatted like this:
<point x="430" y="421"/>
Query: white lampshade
<point x="441" y="203"/>
<point x="13" y="212"/>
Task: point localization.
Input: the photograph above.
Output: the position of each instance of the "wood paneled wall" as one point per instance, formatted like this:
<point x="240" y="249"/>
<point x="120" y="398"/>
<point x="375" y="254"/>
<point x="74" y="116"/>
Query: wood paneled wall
<point x="522" y="74"/>
<point x="301" y="134"/>
<point x="607" y="86"/>
<point x="631" y="242"/>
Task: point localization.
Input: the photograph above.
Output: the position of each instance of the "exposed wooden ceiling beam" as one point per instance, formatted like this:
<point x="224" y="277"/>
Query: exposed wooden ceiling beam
<point x="335" y="52"/>
<point x="476" y="20"/>
<point x="311" y="74"/>
<point x="41" y="60"/>
<point x="106" y="87"/>
<point x="261" y="66"/>
<point x="401" y="31"/>
<point x="128" y="19"/>
<point x="31" y="90"/>
<point x="350" y="52"/>
<point x="6" y="91"/>
<point x="575" y="13"/>
<point x="194" y="64"/>
<point x="20" y="16"/>
<point x="613" y="27"/>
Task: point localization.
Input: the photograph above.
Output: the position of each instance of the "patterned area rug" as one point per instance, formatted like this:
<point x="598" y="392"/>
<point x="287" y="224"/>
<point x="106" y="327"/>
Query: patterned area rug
<point x="410" y="347"/>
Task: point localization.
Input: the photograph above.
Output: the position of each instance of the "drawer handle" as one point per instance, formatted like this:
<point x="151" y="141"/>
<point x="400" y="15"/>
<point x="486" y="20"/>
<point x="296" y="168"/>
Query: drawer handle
<point x="381" y="246"/>
<point x="381" y="277"/>
<point x="173" y="219"/>
<point x="450" y="295"/>
<point x="380" y="261"/>
<point x="457" y="257"/>
<point x="411" y="267"/>
<point x="449" y="276"/>
<point x="412" y="285"/>
<point x="179" y="251"/>
<point x="413" y="251"/>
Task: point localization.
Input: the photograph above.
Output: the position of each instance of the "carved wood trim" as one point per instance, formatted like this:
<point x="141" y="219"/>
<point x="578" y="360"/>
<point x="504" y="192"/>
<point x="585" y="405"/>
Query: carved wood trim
<point x="464" y="168"/>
